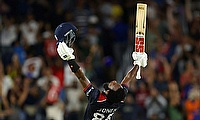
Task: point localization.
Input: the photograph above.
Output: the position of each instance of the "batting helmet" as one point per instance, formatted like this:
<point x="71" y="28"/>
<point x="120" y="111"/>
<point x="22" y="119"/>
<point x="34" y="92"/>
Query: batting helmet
<point x="65" y="32"/>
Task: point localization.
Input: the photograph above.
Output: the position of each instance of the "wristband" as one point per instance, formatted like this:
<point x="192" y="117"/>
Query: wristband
<point x="73" y="65"/>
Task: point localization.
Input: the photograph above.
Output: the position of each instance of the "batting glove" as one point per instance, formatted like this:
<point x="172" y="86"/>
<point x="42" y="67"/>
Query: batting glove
<point x="140" y="59"/>
<point x="65" y="52"/>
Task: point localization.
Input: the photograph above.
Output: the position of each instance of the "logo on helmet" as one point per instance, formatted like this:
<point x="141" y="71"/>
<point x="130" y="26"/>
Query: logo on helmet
<point x="65" y="32"/>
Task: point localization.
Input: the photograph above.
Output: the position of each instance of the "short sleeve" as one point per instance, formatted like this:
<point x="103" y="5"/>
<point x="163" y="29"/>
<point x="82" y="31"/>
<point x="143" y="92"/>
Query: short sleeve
<point x="125" y="87"/>
<point x="91" y="93"/>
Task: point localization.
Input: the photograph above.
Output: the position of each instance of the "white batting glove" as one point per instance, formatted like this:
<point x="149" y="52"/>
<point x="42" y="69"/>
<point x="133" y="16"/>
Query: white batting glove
<point x="140" y="59"/>
<point x="65" y="52"/>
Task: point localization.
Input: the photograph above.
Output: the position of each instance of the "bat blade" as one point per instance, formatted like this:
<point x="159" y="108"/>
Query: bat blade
<point x="140" y="27"/>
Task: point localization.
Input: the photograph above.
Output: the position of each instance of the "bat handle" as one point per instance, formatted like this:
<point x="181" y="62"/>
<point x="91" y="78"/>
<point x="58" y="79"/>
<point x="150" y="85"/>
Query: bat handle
<point x="138" y="74"/>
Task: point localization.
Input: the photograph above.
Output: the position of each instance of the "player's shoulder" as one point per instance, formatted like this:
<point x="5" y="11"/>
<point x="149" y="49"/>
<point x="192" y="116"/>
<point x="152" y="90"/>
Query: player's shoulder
<point x="91" y="91"/>
<point x="89" y="88"/>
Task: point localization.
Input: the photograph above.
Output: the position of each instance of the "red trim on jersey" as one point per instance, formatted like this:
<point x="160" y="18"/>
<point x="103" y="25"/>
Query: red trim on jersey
<point x="84" y="89"/>
<point x="101" y="98"/>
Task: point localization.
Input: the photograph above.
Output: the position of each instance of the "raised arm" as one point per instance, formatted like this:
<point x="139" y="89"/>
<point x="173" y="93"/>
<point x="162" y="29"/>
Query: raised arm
<point x="65" y="34"/>
<point x="82" y="78"/>
<point x="130" y="75"/>
<point x="140" y="60"/>
<point x="66" y="53"/>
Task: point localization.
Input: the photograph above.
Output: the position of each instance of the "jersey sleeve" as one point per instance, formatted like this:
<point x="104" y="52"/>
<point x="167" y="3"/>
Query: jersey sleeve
<point x="125" y="87"/>
<point x="91" y="93"/>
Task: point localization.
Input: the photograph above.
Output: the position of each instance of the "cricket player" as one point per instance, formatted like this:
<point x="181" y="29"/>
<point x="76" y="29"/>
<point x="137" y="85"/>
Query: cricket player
<point x="101" y="104"/>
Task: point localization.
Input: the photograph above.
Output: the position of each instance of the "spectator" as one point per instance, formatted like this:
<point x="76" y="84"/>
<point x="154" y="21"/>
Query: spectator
<point x="187" y="78"/>
<point x="6" y="81"/>
<point x="14" y="69"/>
<point x="175" y="109"/>
<point x="73" y="101"/>
<point x="8" y="34"/>
<point x="29" y="99"/>
<point x="29" y="29"/>
<point x="5" y="86"/>
<point x="17" y="96"/>
<point x="161" y="83"/>
<point x="191" y="104"/>
<point x="50" y="86"/>
<point x="13" y="105"/>
<point x="156" y="105"/>
<point x="31" y="67"/>
<point x="141" y="95"/>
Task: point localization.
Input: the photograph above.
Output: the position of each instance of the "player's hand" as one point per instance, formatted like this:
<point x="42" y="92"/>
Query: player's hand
<point x="65" y="52"/>
<point x="140" y="59"/>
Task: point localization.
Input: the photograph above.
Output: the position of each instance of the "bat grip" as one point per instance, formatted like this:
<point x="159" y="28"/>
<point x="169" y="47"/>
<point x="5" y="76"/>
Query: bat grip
<point x="138" y="74"/>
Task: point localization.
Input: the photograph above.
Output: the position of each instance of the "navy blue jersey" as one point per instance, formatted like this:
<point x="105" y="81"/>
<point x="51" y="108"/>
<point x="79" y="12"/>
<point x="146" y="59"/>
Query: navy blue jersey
<point x="98" y="107"/>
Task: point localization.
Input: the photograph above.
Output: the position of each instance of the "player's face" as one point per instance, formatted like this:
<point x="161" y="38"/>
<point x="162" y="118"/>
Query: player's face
<point x="113" y="85"/>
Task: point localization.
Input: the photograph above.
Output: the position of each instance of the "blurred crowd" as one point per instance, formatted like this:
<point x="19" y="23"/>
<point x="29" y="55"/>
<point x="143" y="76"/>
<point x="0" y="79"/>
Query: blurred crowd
<point x="37" y="85"/>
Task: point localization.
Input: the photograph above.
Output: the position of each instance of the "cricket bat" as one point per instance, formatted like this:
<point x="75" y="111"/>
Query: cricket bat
<point x="140" y="30"/>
